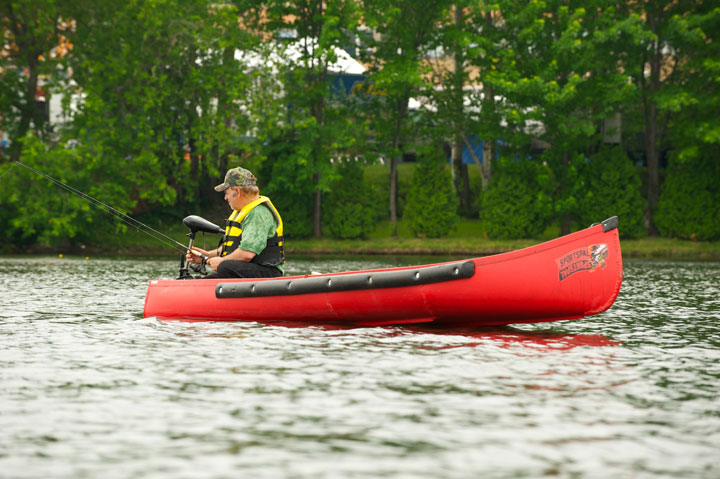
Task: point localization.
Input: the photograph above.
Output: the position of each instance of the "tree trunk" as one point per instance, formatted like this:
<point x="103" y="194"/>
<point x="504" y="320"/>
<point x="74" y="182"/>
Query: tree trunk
<point x="653" y="163"/>
<point x="317" y="195"/>
<point x="28" y="110"/>
<point x="488" y="145"/>
<point x="461" y="180"/>
<point x="486" y="168"/>
<point x="194" y="158"/>
<point x="565" y="221"/>
<point x="467" y="197"/>
<point x="484" y="164"/>
<point x="393" y="196"/>
<point x="31" y="44"/>
<point x="225" y="110"/>
<point x="401" y="112"/>
<point x="652" y="130"/>
<point x="317" y="198"/>
<point x="318" y="112"/>
<point x="469" y="146"/>
<point x="317" y="209"/>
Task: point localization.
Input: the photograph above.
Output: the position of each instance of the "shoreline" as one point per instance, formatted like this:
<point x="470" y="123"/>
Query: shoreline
<point x="655" y="248"/>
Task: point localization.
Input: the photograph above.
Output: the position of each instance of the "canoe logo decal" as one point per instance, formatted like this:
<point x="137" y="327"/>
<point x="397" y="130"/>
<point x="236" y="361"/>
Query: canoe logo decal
<point x="590" y="259"/>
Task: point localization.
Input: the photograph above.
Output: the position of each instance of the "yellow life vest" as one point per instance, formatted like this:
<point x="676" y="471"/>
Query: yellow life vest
<point x="274" y="253"/>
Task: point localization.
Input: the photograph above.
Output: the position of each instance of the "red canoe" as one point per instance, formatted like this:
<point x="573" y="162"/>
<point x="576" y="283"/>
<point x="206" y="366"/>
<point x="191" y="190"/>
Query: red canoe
<point x="567" y="278"/>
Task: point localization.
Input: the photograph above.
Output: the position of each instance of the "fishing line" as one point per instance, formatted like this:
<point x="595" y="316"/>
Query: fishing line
<point x="12" y="165"/>
<point x="128" y="220"/>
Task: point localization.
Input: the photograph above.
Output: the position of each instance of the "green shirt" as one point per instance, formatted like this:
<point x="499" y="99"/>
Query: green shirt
<point x="257" y="227"/>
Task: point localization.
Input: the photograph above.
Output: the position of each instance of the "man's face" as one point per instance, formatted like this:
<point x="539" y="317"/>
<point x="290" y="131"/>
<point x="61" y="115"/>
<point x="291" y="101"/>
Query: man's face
<point x="233" y="196"/>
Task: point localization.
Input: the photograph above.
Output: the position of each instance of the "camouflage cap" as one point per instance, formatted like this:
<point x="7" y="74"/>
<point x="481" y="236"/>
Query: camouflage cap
<point x="237" y="177"/>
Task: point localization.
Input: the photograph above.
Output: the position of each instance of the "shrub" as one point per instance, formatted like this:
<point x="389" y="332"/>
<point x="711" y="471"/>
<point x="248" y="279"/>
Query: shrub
<point x="612" y="188"/>
<point x="349" y="207"/>
<point x="689" y="205"/>
<point x="285" y="177"/>
<point x="517" y="203"/>
<point x="431" y="208"/>
<point x="37" y="211"/>
<point x="296" y="212"/>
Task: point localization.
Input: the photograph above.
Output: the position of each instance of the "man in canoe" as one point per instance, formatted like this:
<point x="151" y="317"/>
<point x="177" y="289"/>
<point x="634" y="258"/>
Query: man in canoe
<point x="252" y="246"/>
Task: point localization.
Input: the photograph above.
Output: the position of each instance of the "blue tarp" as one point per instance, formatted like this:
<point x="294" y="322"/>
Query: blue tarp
<point x="346" y="82"/>
<point x="477" y="147"/>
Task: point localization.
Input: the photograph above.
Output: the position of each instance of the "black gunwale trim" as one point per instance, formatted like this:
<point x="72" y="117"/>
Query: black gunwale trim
<point x="610" y="224"/>
<point x="347" y="282"/>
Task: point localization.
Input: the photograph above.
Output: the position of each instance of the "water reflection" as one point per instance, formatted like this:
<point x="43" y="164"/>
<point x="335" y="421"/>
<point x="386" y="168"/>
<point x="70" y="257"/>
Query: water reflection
<point x="503" y="336"/>
<point x="509" y="336"/>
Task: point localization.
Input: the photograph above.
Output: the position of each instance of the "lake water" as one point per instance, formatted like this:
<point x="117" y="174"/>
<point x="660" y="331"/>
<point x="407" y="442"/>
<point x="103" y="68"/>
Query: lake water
<point x="90" y="389"/>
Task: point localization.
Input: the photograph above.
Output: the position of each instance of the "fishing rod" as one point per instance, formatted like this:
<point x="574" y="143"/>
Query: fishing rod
<point x="128" y="220"/>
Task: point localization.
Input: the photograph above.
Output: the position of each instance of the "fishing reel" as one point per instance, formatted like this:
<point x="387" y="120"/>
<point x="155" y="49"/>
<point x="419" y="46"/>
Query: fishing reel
<point x="195" y="224"/>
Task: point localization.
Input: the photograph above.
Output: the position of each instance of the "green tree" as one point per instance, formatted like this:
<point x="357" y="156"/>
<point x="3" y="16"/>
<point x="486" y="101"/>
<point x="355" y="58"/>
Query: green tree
<point x="35" y="211"/>
<point x="655" y="61"/>
<point x="404" y="31"/>
<point x="312" y="104"/>
<point x="698" y="124"/>
<point x="451" y="79"/>
<point x="558" y="73"/>
<point x="468" y="39"/>
<point x="31" y="43"/>
<point x="158" y="116"/>
<point x="687" y="206"/>
<point x="483" y="55"/>
<point x="164" y="93"/>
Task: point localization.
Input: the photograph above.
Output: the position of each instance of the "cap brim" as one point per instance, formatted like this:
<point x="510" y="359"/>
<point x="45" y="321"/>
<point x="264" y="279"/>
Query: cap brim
<point x="222" y="187"/>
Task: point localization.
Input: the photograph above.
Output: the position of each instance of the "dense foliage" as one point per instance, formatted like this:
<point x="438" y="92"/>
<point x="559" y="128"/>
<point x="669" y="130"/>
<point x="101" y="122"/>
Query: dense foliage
<point x="284" y="175"/>
<point x="350" y="205"/>
<point x="161" y="97"/>
<point x="34" y="210"/>
<point x="431" y="209"/>
<point x="689" y="205"/>
<point x="612" y="188"/>
<point x="517" y="203"/>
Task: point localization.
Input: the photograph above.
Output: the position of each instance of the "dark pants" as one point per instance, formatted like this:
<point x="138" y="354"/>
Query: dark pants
<point x="232" y="268"/>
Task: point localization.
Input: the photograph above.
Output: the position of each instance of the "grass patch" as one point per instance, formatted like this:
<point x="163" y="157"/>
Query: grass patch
<point x="651" y="247"/>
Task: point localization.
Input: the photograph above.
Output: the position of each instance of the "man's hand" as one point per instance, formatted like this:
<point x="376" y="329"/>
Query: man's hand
<point x="214" y="263"/>
<point x="195" y="256"/>
<point x="213" y="260"/>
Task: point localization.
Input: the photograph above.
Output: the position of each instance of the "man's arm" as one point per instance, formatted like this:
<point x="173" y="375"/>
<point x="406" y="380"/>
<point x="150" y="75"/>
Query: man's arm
<point x="238" y="254"/>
